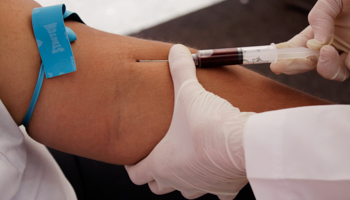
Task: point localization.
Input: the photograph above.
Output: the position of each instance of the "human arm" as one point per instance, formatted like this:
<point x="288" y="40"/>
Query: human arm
<point x="211" y="146"/>
<point x="328" y="32"/>
<point x="113" y="108"/>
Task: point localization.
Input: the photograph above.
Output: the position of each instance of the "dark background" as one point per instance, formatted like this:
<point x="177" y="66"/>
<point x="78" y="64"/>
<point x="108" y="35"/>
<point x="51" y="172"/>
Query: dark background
<point x="227" y="24"/>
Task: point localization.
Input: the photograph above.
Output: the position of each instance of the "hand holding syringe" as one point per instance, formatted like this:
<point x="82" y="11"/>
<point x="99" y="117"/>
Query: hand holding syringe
<point x="246" y="55"/>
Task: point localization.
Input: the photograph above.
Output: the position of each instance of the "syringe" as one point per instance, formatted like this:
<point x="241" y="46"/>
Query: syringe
<point x="246" y="55"/>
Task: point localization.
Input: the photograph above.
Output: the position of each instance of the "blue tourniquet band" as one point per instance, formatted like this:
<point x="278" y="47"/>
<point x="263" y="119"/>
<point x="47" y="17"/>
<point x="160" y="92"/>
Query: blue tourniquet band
<point x="53" y="40"/>
<point x="32" y="104"/>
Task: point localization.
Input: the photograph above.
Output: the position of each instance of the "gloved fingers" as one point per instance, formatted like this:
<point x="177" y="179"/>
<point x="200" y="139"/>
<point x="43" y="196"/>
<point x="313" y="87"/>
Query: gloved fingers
<point x="283" y="45"/>
<point x="347" y="61"/>
<point x="332" y="66"/>
<point x="322" y="17"/>
<point x="314" y="44"/>
<point x="140" y="173"/>
<point x="159" y="189"/>
<point x="192" y="194"/>
<point x="298" y="40"/>
<point x="226" y="197"/>
<point x="181" y="66"/>
<point x="295" y="66"/>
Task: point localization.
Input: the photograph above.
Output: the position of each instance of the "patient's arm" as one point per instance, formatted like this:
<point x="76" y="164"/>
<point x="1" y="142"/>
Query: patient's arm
<point x="112" y="108"/>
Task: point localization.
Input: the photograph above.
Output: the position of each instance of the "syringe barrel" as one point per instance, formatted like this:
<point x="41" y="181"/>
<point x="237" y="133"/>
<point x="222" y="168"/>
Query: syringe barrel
<point x="259" y="54"/>
<point x="218" y="57"/>
<point x="235" y="56"/>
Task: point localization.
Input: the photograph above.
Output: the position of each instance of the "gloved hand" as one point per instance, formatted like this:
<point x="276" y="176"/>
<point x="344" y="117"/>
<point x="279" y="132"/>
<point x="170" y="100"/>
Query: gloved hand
<point x="328" y="31"/>
<point x="202" y="151"/>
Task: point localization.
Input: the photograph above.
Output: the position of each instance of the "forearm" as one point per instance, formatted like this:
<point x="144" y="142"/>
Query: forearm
<point x="113" y="108"/>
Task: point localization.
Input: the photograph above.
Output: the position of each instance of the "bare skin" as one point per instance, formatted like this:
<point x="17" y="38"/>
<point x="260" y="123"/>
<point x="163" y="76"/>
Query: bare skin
<point x="113" y="108"/>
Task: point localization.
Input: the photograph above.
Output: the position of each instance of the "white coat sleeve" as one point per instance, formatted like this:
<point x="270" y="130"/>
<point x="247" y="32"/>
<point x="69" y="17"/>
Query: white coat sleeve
<point x="27" y="169"/>
<point x="299" y="153"/>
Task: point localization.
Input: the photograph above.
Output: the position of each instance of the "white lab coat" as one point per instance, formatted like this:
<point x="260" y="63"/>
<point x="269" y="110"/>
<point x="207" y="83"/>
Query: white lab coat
<point x="27" y="169"/>
<point x="300" y="153"/>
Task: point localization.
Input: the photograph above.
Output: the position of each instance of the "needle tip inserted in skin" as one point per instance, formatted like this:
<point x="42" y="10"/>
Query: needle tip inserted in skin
<point x="151" y="60"/>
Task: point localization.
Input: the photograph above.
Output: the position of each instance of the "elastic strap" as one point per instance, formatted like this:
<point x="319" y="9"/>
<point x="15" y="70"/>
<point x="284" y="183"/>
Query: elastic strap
<point x="55" y="54"/>
<point x="35" y="97"/>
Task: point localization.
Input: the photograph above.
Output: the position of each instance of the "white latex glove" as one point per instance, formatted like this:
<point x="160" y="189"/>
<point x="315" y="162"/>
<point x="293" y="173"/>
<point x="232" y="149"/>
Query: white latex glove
<point x="328" y="31"/>
<point x="202" y="151"/>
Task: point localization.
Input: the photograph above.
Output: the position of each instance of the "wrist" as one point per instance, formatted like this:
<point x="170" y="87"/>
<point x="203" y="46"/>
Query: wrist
<point x="235" y="140"/>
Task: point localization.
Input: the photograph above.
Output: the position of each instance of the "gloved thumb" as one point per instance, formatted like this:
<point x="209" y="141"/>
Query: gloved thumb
<point x="181" y="65"/>
<point x="226" y="197"/>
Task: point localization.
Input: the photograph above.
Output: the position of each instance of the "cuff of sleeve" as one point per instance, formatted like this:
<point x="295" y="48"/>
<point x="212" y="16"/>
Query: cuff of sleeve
<point x="299" y="153"/>
<point x="263" y="153"/>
